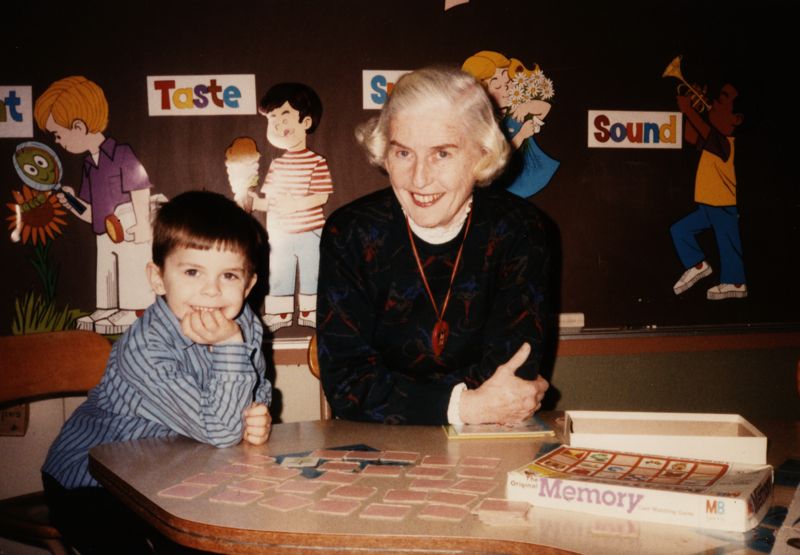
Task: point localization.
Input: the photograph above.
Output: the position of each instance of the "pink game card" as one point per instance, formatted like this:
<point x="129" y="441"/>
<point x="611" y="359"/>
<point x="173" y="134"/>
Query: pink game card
<point x="427" y="472"/>
<point x="238" y="469"/>
<point x="340" y="466"/>
<point x="483" y="462"/>
<point x="383" y="470"/>
<point x="439" y="460"/>
<point x="409" y="457"/>
<point x="232" y="496"/>
<point x="301" y="486"/>
<point x="382" y="511"/>
<point x="285" y="502"/>
<point x="277" y="473"/>
<point x="363" y="456"/>
<point x="430" y="484"/>
<point x="184" y="491"/>
<point x="339" y="507"/>
<point x="405" y="496"/>
<point x="208" y="478"/>
<point x="329" y="454"/>
<point x="339" y="478"/>
<point x="253" y="484"/>
<point x="353" y="492"/>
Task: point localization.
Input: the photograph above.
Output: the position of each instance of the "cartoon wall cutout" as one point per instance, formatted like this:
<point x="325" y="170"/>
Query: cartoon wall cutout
<point x="524" y="98"/>
<point x="40" y="168"/>
<point x="37" y="217"/>
<point x="115" y="197"/>
<point x="241" y="165"/>
<point x="453" y="3"/>
<point x="297" y="186"/>
<point x="710" y="126"/>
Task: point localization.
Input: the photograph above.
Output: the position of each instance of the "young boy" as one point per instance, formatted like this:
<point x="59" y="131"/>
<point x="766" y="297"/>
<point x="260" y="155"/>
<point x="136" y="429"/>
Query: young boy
<point x="297" y="186"/>
<point x="192" y="365"/>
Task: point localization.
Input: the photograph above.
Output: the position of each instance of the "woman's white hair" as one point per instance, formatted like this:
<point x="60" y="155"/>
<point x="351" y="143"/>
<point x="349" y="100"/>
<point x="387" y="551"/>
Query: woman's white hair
<point x="443" y="86"/>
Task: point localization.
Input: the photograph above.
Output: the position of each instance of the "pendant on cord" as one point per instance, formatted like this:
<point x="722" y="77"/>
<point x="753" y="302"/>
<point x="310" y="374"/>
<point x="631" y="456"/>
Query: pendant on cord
<point x="439" y="336"/>
<point x="441" y="330"/>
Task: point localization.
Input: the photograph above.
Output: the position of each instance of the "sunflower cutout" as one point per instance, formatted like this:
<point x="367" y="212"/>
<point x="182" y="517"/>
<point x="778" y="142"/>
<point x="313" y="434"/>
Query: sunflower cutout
<point x="36" y="216"/>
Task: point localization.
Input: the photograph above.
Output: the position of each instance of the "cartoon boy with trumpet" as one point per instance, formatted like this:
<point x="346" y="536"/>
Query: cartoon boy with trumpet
<point x="715" y="195"/>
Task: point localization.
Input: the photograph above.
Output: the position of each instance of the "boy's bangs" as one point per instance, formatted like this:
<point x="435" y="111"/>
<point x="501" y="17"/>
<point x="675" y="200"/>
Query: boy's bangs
<point x="206" y="243"/>
<point x="189" y="239"/>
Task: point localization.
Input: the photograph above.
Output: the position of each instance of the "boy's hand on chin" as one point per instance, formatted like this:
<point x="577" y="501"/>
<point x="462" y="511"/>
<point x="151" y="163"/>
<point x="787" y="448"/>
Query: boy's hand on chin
<point x="210" y="327"/>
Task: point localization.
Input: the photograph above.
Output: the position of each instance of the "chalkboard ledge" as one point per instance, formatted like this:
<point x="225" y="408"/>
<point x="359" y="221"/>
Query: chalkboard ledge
<point x="653" y="339"/>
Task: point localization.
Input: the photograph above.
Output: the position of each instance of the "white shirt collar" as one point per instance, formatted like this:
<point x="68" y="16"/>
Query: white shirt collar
<point x="441" y="234"/>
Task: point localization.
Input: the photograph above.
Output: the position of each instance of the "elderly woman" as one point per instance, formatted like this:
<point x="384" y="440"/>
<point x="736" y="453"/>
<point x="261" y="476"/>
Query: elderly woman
<point x="431" y="293"/>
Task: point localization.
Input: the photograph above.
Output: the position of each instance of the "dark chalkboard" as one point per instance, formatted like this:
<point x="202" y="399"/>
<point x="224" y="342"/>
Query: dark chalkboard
<point x="612" y="208"/>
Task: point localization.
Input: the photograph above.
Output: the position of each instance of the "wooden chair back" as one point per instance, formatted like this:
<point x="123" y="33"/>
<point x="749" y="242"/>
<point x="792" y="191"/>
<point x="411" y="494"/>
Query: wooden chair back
<point x="40" y="366"/>
<point x="53" y="364"/>
<point x="325" y="412"/>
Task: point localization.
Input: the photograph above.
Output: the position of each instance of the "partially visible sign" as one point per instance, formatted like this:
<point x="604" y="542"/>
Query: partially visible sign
<point x="377" y="85"/>
<point x="16" y="111"/>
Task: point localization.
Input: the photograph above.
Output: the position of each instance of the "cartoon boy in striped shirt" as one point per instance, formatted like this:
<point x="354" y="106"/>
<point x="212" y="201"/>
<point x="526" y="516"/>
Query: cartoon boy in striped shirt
<point x="297" y="186"/>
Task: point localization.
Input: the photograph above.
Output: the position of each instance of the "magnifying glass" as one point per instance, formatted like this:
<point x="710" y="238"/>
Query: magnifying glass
<point x="40" y="168"/>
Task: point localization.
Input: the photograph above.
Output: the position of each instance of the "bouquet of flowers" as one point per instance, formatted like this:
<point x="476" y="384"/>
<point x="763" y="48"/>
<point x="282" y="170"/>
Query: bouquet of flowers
<point x="530" y="85"/>
<point x="525" y="88"/>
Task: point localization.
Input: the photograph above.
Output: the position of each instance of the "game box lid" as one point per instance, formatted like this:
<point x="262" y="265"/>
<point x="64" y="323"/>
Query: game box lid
<point x="719" y="437"/>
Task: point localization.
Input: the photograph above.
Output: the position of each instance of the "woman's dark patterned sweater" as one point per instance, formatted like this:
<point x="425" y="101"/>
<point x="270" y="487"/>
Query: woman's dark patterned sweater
<point x="374" y="317"/>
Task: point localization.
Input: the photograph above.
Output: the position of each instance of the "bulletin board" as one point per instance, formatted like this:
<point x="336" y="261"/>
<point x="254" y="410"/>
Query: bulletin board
<point x="611" y="208"/>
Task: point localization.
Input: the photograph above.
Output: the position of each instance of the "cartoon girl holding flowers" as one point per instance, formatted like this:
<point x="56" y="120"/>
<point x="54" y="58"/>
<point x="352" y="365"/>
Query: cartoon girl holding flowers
<point x="523" y="97"/>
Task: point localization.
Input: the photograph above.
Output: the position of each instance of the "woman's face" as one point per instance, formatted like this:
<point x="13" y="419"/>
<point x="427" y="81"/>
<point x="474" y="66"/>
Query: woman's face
<point x="497" y="87"/>
<point x="431" y="163"/>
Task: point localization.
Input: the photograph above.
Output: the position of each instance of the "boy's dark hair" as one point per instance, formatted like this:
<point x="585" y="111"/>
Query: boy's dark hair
<point x="204" y="220"/>
<point x="299" y="96"/>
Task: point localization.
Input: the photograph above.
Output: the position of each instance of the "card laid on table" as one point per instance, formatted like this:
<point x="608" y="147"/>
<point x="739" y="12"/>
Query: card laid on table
<point x="384" y="511"/>
<point x="184" y="491"/>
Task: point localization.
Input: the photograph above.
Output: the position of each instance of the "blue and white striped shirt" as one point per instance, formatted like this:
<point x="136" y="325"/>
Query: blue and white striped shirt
<point x="158" y="383"/>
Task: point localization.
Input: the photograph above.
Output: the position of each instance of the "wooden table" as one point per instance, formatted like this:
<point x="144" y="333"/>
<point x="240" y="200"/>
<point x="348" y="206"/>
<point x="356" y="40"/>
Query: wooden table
<point x="136" y="471"/>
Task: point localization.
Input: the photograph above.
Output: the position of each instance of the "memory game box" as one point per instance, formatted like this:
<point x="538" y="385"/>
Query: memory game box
<point x="665" y="489"/>
<point x="719" y="437"/>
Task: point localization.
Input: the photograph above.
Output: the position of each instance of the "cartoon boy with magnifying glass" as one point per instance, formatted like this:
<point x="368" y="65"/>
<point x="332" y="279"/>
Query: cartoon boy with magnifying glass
<point x="114" y="189"/>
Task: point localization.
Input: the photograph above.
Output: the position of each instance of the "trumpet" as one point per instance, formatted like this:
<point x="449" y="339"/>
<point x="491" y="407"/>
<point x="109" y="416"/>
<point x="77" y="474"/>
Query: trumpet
<point x="699" y="100"/>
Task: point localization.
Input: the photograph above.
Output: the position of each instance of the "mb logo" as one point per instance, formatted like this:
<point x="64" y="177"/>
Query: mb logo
<point x="714" y="507"/>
